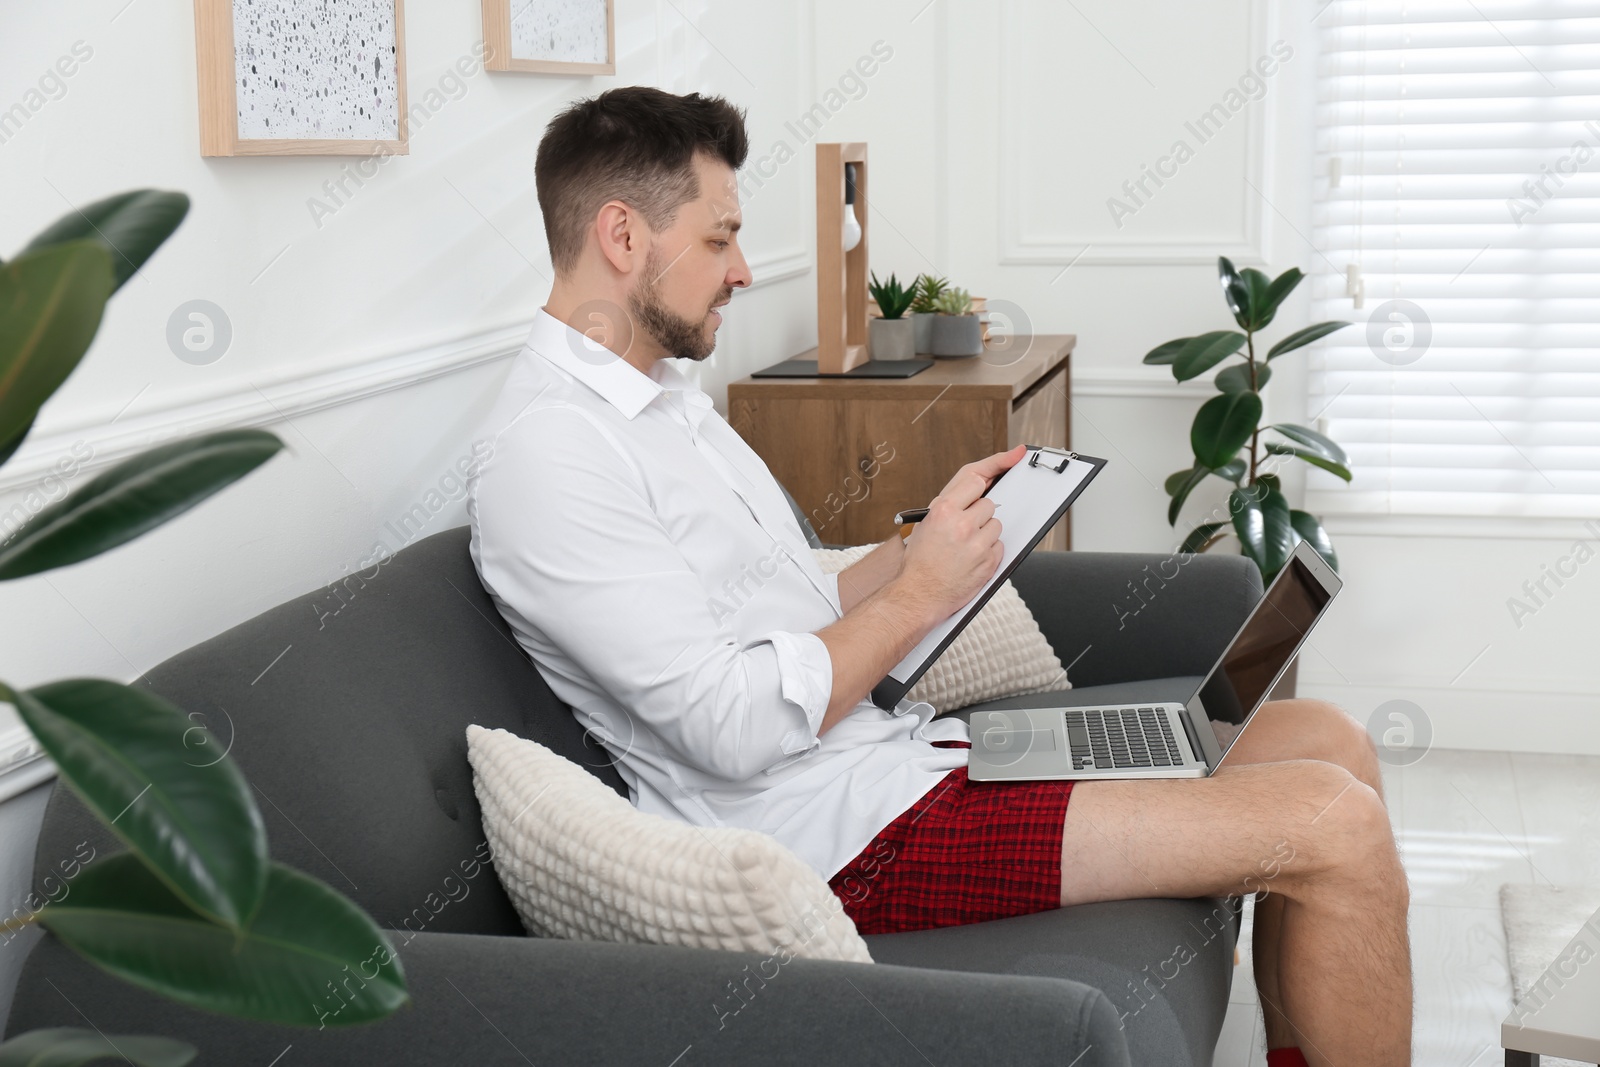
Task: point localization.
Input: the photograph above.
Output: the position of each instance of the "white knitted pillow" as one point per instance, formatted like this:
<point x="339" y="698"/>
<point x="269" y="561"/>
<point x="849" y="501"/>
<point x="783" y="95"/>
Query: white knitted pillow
<point x="1001" y="653"/>
<point x="581" y="863"/>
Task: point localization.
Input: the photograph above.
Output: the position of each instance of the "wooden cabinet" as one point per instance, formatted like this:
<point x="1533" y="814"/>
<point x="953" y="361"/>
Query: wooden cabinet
<point x="853" y="451"/>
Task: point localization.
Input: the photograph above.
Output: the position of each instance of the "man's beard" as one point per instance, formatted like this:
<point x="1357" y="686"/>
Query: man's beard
<point x="678" y="335"/>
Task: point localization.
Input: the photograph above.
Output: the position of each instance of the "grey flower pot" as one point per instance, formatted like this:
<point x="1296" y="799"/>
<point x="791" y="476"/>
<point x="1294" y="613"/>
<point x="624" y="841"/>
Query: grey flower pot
<point x="891" y="339"/>
<point x="957" y="335"/>
<point x="922" y="325"/>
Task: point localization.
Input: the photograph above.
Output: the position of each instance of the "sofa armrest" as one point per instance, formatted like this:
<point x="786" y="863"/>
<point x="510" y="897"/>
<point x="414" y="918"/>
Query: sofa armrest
<point x="1123" y="616"/>
<point x="511" y="1000"/>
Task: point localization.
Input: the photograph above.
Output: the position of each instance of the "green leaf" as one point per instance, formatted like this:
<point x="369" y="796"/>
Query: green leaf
<point x="1236" y="379"/>
<point x="138" y="762"/>
<point x="1166" y="353"/>
<point x="1277" y="292"/>
<point x="130" y="226"/>
<point x="1301" y="338"/>
<point x="69" y="1046"/>
<point x="1222" y="426"/>
<point x="1176" y="479"/>
<point x="1310" y="528"/>
<point x="1261" y="519"/>
<point x="1277" y="448"/>
<point x="1234" y="291"/>
<point x="1202" y="537"/>
<point x="1312" y="440"/>
<point x="9" y="449"/>
<point x="1195" y="476"/>
<point x="1256" y="284"/>
<point x="135" y="496"/>
<point x="1202" y="353"/>
<point x="310" y="957"/>
<point x="1271" y="480"/>
<point x="1232" y="470"/>
<point x="50" y="307"/>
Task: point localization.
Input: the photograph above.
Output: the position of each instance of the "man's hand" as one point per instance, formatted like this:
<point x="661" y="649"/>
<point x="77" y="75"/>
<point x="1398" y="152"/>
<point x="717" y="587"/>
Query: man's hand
<point x="956" y="549"/>
<point x="948" y="557"/>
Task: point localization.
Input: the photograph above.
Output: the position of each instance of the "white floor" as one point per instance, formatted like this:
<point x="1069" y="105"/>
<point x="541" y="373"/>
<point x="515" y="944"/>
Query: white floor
<point x="1467" y="822"/>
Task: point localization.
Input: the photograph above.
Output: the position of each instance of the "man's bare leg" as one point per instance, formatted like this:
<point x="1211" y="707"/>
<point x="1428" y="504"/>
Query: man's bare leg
<point x="1296" y="729"/>
<point x="1307" y="830"/>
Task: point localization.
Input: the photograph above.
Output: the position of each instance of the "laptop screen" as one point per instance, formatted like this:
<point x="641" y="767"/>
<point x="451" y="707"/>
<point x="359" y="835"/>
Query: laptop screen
<point x="1239" y="684"/>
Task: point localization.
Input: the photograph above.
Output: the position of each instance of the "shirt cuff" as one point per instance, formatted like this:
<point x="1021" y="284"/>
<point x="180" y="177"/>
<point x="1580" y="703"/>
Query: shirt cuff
<point x="805" y="679"/>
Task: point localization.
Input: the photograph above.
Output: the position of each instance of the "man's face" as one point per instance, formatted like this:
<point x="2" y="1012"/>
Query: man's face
<point x="693" y="267"/>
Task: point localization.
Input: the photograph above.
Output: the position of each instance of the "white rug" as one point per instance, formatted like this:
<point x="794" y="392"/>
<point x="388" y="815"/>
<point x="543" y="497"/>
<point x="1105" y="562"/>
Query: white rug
<point x="1540" y="921"/>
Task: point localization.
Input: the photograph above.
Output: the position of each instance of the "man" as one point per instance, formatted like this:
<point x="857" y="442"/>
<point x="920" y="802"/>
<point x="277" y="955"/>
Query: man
<point x="650" y="566"/>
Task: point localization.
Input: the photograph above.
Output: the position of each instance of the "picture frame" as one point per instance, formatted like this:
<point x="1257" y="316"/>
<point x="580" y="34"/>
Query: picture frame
<point x="249" y="104"/>
<point x="512" y="30"/>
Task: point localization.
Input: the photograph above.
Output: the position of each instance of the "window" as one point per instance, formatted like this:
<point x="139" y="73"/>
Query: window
<point x="1458" y="193"/>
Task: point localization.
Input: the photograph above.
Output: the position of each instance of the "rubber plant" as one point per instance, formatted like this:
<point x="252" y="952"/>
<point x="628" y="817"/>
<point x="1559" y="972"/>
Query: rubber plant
<point x="194" y="909"/>
<point x="1227" y="437"/>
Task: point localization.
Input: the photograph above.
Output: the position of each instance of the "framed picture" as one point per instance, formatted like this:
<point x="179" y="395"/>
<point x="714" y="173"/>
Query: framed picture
<point x="550" y="36"/>
<point x="301" y="77"/>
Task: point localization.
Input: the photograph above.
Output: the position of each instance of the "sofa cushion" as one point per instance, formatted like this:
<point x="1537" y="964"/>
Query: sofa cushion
<point x="581" y="863"/>
<point x="1166" y="965"/>
<point x="1000" y="653"/>
<point x="346" y="708"/>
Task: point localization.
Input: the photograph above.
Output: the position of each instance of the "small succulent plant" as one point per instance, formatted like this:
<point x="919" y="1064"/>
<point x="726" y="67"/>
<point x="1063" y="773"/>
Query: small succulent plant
<point x="953" y="302"/>
<point x="928" y="288"/>
<point x="892" y="298"/>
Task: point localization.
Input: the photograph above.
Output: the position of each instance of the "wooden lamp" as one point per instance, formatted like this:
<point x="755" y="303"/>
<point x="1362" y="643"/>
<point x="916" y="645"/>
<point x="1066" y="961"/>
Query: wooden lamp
<point x="842" y="275"/>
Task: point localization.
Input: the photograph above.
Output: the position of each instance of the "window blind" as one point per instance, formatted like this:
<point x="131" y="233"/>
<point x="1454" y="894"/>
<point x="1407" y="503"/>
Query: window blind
<point x="1458" y="192"/>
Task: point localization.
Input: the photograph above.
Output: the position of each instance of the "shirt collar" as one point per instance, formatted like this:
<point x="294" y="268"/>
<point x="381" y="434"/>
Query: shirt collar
<point x="627" y="388"/>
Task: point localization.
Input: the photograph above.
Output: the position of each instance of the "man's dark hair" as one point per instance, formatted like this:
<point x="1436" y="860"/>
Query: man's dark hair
<point x="635" y="144"/>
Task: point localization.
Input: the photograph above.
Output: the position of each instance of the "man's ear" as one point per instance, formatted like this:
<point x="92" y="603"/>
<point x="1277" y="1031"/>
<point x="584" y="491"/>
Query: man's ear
<point x="620" y="232"/>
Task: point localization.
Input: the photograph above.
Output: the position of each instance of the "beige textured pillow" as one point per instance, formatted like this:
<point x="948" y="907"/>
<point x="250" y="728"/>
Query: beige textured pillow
<point x="579" y="862"/>
<point x="1001" y="653"/>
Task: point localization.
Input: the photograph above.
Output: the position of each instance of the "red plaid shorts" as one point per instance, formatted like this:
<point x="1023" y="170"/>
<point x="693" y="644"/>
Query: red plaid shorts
<point x="965" y="853"/>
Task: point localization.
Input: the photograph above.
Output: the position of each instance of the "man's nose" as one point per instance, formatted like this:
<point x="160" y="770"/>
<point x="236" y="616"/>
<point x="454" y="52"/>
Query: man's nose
<point x="739" y="275"/>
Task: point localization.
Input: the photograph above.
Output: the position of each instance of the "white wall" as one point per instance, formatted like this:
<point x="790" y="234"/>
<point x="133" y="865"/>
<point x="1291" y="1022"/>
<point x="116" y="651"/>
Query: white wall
<point x="372" y="341"/>
<point x="1036" y="113"/>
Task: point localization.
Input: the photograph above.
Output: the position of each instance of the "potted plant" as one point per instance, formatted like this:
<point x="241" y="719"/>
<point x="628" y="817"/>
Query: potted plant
<point x="927" y="288"/>
<point x="891" y="336"/>
<point x="194" y="908"/>
<point x="1227" y="435"/>
<point x="957" y="331"/>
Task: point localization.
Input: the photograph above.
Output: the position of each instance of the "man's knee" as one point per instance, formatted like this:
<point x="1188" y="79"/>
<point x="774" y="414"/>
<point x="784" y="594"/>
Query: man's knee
<point x="1341" y="830"/>
<point x="1338" y="736"/>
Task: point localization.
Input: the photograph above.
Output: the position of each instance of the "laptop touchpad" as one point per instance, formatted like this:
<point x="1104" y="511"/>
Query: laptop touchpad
<point x="1003" y="741"/>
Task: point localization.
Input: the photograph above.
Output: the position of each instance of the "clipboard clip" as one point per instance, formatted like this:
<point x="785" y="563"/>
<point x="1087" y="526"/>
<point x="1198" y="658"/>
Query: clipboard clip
<point x="1054" y="458"/>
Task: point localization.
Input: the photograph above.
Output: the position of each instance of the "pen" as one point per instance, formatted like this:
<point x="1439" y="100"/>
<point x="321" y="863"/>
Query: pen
<point x="906" y="518"/>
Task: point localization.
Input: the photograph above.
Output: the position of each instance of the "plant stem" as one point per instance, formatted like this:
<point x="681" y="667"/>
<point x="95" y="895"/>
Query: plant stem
<point x="1250" y="346"/>
<point x="17" y="923"/>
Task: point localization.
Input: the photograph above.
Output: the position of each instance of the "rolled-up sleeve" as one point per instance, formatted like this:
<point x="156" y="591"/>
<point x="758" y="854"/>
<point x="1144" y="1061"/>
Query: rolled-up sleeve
<point x="568" y="541"/>
<point x="805" y="679"/>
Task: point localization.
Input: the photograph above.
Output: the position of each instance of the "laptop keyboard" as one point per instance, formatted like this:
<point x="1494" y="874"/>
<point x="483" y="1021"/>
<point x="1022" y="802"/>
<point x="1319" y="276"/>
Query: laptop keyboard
<point x="1121" y="737"/>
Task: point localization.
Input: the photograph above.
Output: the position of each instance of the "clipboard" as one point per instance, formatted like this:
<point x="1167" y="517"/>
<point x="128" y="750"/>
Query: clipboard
<point x="1035" y="493"/>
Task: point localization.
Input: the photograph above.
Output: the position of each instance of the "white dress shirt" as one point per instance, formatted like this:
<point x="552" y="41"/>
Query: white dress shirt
<point x="648" y="562"/>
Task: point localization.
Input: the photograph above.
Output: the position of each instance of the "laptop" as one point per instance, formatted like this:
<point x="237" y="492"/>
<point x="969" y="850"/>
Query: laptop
<point x="1164" y="740"/>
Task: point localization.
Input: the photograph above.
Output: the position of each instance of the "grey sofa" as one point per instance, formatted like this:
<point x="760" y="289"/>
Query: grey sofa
<point x="353" y="740"/>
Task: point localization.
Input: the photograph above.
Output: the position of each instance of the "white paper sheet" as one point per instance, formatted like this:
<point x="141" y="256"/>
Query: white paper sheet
<point x="1027" y="498"/>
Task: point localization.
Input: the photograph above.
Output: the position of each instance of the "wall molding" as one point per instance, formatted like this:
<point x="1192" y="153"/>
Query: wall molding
<point x="1474" y="527"/>
<point x="1478" y="718"/>
<point x="778" y="266"/>
<point x="1101" y="381"/>
<point x="23" y="763"/>
<point x="263" y="402"/>
<point x="1020" y="248"/>
<point x="290" y="394"/>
